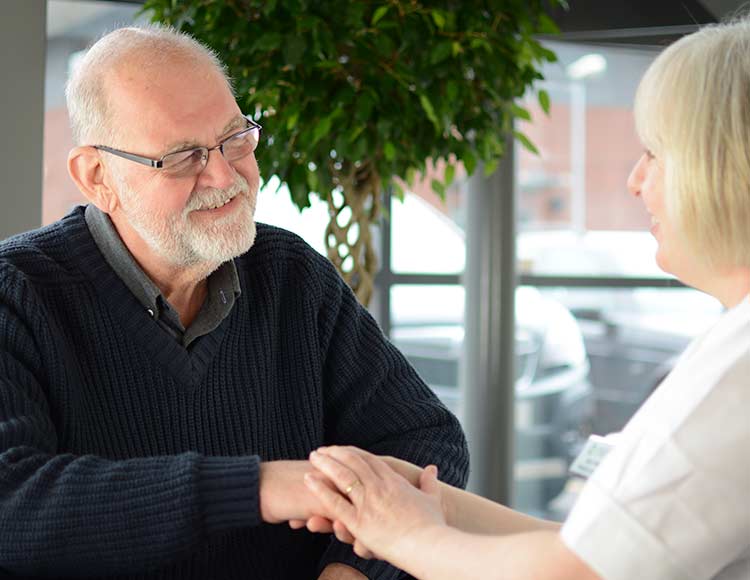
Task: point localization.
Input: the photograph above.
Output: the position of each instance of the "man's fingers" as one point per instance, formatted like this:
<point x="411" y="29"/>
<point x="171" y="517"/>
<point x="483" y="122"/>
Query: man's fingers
<point x="348" y="479"/>
<point x="334" y="504"/>
<point x="355" y="468"/>
<point x="361" y="550"/>
<point x="319" y="525"/>
<point x="407" y="470"/>
<point x="297" y="524"/>
<point x="428" y="481"/>
<point x="354" y="457"/>
<point x="342" y="533"/>
<point x="376" y="464"/>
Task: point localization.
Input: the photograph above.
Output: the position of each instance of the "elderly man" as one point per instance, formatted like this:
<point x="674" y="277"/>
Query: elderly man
<point x="166" y="367"/>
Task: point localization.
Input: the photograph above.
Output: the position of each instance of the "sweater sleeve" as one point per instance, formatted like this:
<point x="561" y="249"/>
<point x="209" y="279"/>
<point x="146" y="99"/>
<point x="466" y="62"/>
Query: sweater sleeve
<point x="375" y="400"/>
<point x="83" y="515"/>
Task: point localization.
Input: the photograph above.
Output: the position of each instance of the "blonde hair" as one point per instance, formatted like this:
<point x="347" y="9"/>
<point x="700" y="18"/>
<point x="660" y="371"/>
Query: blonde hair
<point x="692" y="109"/>
<point x="152" y="46"/>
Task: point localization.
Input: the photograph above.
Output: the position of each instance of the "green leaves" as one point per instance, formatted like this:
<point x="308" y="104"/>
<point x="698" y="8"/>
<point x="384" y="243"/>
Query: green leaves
<point x="389" y="150"/>
<point x="526" y="142"/>
<point x="546" y="25"/>
<point x="378" y="14"/>
<point x="321" y="129"/>
<point x="520" y="112"/>
<point x="429" y="111"/>
<point x="543" y="97"/>
<point x="441" y="51"/>
<point x="438" y="17"/>
<point x="294" y="50"/>
<point x="438" y="187"/>
<point x="267" y="42"/>
<point x="390" y="83"/>
<point x="450" y="173"/>
<point x="469" y="161"/>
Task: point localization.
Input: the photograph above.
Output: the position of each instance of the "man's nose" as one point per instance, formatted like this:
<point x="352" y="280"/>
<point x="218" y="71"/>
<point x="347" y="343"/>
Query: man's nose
<point x="218" y="172"/>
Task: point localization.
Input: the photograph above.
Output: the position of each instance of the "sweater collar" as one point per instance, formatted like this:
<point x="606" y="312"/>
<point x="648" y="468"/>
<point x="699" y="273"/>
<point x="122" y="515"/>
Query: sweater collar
<point x="188" y="367"/>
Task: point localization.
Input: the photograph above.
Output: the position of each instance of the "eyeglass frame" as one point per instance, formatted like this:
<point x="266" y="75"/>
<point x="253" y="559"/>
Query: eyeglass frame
<point x="159" y="163"/>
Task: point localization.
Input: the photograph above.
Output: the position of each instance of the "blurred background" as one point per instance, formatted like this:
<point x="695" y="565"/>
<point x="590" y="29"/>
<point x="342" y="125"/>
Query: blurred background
<point x="594" y="325"/>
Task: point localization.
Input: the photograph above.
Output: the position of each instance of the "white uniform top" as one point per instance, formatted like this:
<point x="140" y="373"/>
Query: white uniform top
<point x="672" y="499"/>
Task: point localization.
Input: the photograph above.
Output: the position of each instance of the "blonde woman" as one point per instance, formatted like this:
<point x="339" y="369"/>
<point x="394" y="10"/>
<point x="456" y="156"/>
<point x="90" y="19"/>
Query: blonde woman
<point x="672" y="500"/>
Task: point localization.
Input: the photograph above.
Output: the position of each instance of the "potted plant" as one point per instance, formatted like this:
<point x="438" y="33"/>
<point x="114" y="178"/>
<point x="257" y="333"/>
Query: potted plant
<point x="353" y="93"/>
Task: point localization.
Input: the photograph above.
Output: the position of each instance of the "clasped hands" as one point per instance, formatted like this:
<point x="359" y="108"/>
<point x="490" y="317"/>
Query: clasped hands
<point x="380" y="505"/>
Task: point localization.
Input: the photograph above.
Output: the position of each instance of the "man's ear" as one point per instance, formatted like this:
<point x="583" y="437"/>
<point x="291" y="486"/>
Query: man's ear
<point x="90" y="175"/>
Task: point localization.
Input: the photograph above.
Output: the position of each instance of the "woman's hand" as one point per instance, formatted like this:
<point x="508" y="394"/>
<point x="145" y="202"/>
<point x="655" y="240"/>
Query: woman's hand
<point x="380" y="508"/>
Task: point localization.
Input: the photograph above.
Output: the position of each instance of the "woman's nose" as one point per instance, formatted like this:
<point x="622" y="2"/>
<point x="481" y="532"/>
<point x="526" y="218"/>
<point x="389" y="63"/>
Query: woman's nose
<point x="636" y="176"/>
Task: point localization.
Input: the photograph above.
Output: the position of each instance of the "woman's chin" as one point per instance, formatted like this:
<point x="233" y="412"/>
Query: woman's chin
<point x="663" y="262"/>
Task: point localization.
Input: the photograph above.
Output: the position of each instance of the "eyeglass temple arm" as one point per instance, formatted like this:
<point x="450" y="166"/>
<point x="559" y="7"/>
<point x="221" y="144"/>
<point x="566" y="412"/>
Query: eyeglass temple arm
<point x="157" y="163"/>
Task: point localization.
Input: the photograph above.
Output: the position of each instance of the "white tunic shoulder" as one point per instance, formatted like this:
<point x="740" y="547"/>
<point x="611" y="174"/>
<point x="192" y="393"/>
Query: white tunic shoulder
<point x="672" y="500"/>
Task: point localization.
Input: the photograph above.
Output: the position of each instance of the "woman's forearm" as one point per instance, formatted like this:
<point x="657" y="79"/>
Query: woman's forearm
<point x="474" y="514"/>
<point x="477" y="515"/>
<point x="409" y="528"/>
<point x="444" y="553"/>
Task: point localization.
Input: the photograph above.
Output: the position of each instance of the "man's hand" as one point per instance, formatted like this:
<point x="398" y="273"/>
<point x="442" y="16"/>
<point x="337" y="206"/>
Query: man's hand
<point x="284" y="497"/>
<point x="283" y="494"/>
<point x="378" y="506"/>
<point x="341" y="572"/>
<point x="319" y="524"/>
<point x="407" y="470"/>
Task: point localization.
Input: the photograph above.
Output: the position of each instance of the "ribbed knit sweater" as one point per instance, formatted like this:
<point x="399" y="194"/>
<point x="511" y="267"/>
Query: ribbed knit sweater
<point x="124" y="454"/>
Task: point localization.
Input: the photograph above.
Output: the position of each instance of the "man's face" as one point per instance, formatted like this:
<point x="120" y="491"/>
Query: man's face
<point x="187" y="237"/>
<point x="204" y="219"/>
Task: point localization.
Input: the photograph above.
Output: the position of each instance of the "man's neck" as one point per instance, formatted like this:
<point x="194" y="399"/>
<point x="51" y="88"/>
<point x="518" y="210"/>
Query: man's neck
<point x="186" y="299"/>
<point x="184" y="287"/>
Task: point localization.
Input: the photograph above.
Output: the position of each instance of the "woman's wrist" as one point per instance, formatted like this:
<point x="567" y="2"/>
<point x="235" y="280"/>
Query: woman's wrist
<point x="412" y="472"/>
<point x="407" y="470"/>
<point x="447" y="500"/>
<point x="413" y="552"/>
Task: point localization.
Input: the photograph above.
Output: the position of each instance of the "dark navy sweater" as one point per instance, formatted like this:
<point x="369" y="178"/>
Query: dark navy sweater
<point x="124" y="454"/>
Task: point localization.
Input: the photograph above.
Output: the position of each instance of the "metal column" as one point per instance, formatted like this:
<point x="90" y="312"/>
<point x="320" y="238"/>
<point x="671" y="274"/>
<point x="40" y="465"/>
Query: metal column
<point x="22" y="59"/>
<point x="488" y="377"/>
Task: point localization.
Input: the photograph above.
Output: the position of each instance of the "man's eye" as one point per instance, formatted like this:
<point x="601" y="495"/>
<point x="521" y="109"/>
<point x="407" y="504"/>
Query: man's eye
<point x="183" y="158"/>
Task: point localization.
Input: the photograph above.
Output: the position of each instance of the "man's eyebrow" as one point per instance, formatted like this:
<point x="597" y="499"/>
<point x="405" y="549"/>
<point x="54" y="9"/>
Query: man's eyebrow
<point x="237" y="122"/>
<point x="181" y="146"/>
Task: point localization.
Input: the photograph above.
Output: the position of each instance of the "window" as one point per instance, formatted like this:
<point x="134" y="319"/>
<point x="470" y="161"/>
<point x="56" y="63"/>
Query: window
<point x="72" y="25"/>
<point x="584" y="244"/>
<point x="598" y="325"/>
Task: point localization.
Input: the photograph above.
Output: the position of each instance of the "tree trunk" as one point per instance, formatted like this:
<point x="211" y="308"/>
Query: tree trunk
<point x="349" y="238"/>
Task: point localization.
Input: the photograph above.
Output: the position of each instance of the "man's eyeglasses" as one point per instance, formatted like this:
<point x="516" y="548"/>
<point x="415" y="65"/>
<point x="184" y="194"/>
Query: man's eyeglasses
<point x="190" y="162"/>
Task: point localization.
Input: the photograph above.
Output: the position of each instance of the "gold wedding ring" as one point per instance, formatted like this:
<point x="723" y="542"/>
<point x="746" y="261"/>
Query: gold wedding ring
<point x="351" y="486"/>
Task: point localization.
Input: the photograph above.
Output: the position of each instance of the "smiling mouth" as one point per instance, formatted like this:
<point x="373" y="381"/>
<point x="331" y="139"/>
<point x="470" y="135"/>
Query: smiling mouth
<point x="216" y="205"/>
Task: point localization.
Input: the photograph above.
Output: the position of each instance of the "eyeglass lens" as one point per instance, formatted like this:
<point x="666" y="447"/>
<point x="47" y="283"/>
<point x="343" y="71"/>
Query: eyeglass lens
<point x="193" y="161"/>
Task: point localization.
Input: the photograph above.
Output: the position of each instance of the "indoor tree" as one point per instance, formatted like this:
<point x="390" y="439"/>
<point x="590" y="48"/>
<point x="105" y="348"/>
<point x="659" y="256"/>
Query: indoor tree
<point x="353" y="93"/>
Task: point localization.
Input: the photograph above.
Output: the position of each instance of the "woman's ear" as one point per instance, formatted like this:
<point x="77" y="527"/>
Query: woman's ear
<point x="89" y="174"/>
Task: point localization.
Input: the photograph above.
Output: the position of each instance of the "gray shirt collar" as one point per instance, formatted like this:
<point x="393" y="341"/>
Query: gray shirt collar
<point x="223" y="284"/>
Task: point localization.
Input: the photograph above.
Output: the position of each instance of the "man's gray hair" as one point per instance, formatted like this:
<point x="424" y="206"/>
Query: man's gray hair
<point x="152" y="45"/>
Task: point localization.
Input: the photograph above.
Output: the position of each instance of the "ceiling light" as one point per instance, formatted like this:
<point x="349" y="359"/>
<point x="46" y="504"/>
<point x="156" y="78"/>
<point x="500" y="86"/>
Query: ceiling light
<point x="586" y="66"/>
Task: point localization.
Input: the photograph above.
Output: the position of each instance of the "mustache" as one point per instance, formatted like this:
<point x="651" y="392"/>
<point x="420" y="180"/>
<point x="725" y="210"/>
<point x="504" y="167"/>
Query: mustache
<point x="213" y="196"/>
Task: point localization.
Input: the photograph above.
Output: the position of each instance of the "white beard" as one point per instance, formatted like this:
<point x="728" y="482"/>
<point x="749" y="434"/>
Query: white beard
<point x="187" y="244"/>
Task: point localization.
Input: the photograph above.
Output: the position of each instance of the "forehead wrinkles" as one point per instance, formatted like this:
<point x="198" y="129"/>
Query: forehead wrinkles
<point x="154" y="104"/>
<point x="237" y="122"/>
<point x="156" y="124"/>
